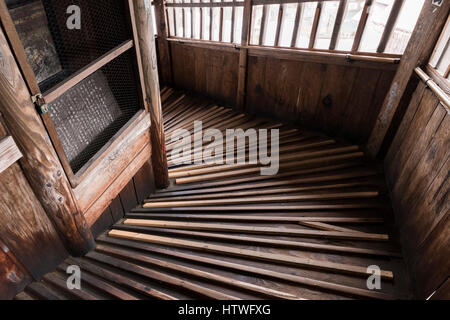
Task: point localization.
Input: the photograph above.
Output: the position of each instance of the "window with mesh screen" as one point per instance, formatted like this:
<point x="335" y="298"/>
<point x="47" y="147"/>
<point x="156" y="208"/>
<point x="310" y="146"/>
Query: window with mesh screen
<point x="88" y="75"/>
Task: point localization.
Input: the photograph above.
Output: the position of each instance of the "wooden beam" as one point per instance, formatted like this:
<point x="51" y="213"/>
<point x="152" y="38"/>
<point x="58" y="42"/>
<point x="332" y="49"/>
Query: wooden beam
<point x="144" y="25"/>
<point x="279" y="22"/>
<point x="242" y="73"/>
<point x="423" y="40"/>
<point x="396" y="7"/>
<point x="40" y="162"/>
<point x="297" y="22"/>
<point x="9" y="153"/>
<point x="361" y="25"/>
<point x="312" y="38"/>
<point x="163" y="46"/>
<point x="337" y="24"/>
<point x="262" y="29"/>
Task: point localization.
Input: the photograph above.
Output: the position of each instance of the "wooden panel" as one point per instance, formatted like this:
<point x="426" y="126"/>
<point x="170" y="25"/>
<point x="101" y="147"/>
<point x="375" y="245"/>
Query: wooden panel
<point x="113" y="163"/>
<point x="25" y="228"/>
<point x="9" y="153"/>
<point x="213" y="72"/>
<point x="144" y="182"/>
<point x="117" y="185"/>
<point x="417" y="169"/>
<point x="103" y="223"/>
<point x="336" y="99"/>
<point x="128" y="197"/>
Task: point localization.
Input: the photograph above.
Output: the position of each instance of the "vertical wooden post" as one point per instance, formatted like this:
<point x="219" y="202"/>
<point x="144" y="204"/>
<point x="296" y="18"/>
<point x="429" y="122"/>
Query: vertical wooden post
<point x="242" y="73"/>
<point x="425" y="35"/>
<point x="337" y="24"/>
<point x="163" y="44"/>
<point x="40" y="162"/>
<point x="144" y="26"/>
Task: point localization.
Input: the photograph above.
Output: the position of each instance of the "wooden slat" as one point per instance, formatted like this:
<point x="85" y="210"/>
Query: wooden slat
<point x="337" y="24"/>
<point x="265" y="199"/>
<point x="128" y="255"/>
<point x="101" y="285"/>
<point x="161" y="277"/>
<point x="262" y="28"/>
<point x="315" y="25"/>
<point x="9" y="153"/>
<point x="261" y="218"/>
<point x="361" y="25"/>
<point x="260" y="241"/>
<point x="279" y="22"/>
<point x="390" y="23"/>
<point x="297" y="22"/>
<point x="120" y="279"/>
<point x="260" y="230"/>
<point x="317" y="284"/>
<point x="279" y="258"/>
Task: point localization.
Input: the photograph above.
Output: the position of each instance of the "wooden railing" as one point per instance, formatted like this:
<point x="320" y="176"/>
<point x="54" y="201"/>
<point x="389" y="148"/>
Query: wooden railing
<point x="194" y="20"/>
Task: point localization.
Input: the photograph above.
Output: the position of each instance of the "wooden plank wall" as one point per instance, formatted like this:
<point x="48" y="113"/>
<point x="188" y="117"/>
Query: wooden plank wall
<point x="134" y="193"/>
<point x="29" y="244"/>
<point x="339" y="98"/>
<point x="417" y="170"/>
<point x="211" y="72"/>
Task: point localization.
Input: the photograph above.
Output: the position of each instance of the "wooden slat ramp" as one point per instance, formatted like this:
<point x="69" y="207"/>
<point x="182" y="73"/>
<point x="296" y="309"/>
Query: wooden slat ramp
<point x="224" y="231"/>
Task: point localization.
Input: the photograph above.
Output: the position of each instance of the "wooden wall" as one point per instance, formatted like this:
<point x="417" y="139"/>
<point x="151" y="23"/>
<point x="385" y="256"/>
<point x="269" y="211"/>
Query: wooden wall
<point x="339" y="97"/>
<point x="134" y="193"/>
<point x="29" y="244"/>
<point x="211" y="72"/>
<point x="417" y="171"/>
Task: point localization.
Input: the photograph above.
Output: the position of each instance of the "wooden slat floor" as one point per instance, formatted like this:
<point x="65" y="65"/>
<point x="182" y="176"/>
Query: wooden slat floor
<point x="227" y="232"/>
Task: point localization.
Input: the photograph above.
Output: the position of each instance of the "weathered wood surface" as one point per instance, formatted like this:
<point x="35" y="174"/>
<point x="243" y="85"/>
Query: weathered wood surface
<point x="40" y="162"/>
<point x="417" y="171"/>
<point x="29" y="244"/>
<point x="117" y="185"/>
<point x="13" y="278"/>
<point x="246" y="250"/>
<point x="164" y="59"/>
<point x="9" y="153"/>
<point x="417" y="53"/>
<point x="342" y="99"/>
<point x="144" y="26"/>
<point x="129" y="141"/>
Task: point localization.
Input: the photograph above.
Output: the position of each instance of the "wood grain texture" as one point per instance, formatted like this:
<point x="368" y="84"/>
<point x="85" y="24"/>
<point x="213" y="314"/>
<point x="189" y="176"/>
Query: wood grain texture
<point x="40" y="162"/>
<point x="113" y="163"/>
<point x="144" y="26"/>
<point x="426" y="32"/>
<point x="9" y="153"/>
<point x="12" y="278"/>
<point x="417" y="168"/>
<point x="117" y="185"/>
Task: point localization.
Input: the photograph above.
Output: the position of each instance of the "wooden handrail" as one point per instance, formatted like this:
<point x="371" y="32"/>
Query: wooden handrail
<point x="443" y="97"/>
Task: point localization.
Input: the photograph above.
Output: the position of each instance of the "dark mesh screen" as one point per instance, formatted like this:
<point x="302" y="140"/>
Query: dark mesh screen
<point x="90" y="113"/>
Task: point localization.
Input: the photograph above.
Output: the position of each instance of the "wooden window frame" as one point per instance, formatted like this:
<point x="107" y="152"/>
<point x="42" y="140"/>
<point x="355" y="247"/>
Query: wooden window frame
<point x="59" y="89"/>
